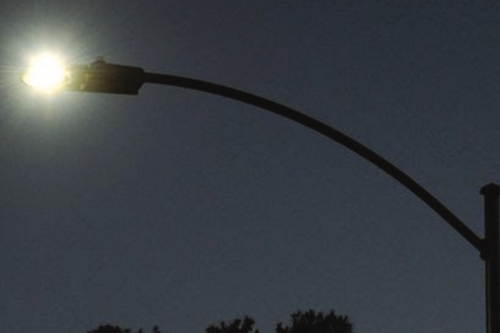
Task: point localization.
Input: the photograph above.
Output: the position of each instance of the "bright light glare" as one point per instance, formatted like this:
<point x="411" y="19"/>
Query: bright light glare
<point x="46" y="72"/>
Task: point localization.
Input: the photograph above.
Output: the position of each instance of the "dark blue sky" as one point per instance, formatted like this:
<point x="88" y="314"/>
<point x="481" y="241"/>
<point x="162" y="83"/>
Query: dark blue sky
<point x="180" y="209"/>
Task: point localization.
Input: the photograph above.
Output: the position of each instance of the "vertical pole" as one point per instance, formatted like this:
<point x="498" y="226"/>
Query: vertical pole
<point x="491" y="195"/>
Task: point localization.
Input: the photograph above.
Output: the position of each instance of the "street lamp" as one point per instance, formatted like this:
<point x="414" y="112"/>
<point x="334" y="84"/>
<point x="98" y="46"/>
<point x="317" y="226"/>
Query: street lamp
<point x="103" y="77"/>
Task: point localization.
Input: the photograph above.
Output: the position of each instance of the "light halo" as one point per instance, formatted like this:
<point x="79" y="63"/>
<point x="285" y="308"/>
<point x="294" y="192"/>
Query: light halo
<point x="46" y="72"/>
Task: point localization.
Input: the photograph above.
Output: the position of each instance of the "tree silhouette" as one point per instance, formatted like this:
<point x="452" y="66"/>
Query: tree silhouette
<point x="301" y="322"/>
<point x="110" y="329"/>
<point x="116" y="329"/>
<point x="315" y="322"/>
<point x="244" y="325"/>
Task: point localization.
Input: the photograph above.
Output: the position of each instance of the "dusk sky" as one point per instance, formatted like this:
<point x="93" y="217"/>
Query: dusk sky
<point x="179" y="209"/>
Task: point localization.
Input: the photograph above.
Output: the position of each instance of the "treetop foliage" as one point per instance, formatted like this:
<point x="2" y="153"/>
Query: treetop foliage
<point x="107" y="328"/>
<point x="316" y="322"/>
<point x="301" y="322"/>
<point x="236" y="326"/>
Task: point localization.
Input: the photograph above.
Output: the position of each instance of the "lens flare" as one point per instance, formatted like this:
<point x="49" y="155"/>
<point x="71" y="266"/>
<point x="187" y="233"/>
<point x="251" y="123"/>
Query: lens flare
<point x="46" y="72"/>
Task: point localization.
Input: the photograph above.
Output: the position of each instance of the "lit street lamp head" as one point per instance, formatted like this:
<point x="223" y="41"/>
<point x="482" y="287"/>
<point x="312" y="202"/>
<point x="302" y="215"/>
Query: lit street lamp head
<point x="47" y="73"/>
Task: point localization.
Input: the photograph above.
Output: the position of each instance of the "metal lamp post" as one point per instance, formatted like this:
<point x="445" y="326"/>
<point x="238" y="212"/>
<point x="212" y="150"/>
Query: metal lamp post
<point x="491" y="255"/>
<point x="103" y="77"/>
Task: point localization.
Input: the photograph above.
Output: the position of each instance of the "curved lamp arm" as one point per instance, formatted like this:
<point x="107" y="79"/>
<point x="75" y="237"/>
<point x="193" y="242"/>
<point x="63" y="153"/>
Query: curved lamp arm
<point x="329" y="132"/>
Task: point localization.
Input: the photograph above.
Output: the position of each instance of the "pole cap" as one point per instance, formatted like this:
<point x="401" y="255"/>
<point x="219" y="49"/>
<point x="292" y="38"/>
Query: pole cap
<point x="491" y="189"/>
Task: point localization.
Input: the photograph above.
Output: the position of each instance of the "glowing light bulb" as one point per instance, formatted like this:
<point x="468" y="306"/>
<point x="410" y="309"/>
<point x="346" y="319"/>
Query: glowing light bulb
<point x="46" y="72"/>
